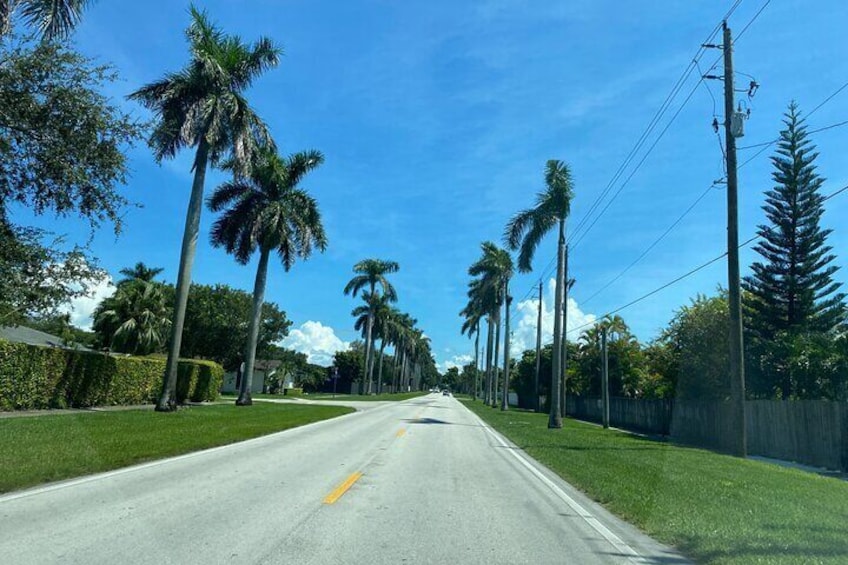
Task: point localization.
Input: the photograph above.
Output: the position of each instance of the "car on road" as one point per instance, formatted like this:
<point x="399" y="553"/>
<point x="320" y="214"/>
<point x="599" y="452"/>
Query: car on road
<point x="446" y="393"/>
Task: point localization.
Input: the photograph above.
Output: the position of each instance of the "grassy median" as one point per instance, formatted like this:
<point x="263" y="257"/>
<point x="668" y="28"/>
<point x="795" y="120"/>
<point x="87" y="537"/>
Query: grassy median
<point x="41" y="449"/>
<point x="714" y="508"/>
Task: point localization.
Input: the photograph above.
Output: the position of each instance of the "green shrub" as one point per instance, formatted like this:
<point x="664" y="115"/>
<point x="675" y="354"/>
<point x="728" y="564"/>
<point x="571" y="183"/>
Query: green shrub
<point x="293" y="391"/>
<point x="33" y="377"/>
<point x="207" y="385"/>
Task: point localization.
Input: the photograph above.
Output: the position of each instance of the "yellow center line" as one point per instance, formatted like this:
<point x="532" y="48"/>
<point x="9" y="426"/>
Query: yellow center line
<point x="342" y="488"/>
<point x="400" y="432"/>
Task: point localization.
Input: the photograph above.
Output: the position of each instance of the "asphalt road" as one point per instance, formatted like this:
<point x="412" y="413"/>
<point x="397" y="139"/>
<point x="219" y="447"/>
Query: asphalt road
<point x="420" y="481"/>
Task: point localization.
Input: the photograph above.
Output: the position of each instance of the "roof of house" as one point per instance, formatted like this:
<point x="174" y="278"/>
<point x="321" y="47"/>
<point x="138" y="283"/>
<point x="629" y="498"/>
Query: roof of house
<point x="266" y="364"/>
<point x="23" y="334"/>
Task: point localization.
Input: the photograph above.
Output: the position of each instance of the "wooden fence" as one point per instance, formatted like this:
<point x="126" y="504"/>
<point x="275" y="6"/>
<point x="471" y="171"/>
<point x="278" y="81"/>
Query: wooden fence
<point x="812" y="432"/>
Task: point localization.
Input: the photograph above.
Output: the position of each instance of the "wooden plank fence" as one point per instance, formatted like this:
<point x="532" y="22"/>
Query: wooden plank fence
<point x="812" y="432"/>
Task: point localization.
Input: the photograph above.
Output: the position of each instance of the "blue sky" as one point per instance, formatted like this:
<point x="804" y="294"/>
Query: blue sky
<point x="436" y="120"/>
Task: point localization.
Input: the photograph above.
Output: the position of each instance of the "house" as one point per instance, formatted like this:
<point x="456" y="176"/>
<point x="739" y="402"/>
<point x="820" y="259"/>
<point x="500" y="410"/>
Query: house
<point x="262" y="369"/>
<point x="23" y="334"/>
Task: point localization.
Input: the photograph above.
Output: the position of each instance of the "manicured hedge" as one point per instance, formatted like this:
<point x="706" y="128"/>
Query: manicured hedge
<point x="33" y="377"/>
<point x="293" y="391"/>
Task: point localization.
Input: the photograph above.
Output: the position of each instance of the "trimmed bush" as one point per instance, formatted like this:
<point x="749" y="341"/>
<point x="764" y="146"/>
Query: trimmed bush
<point x="33" y="377"/>
<point x="293" y="391"/>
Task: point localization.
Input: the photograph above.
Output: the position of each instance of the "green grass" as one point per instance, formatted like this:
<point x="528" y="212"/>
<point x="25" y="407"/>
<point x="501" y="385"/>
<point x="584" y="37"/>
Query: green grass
<point x="714" y="508"/>
<point x="40" y="449"/>
<point x="364" y="397"/>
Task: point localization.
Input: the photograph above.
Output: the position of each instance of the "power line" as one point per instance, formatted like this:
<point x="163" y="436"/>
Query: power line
<point x="693" y="271"/>
<point x="752" y="20"/>
<point x="773" y="141"/>
<point x="678" y="85"/>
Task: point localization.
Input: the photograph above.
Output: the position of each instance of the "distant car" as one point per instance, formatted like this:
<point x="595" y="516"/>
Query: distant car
<point x="445" y="393"/>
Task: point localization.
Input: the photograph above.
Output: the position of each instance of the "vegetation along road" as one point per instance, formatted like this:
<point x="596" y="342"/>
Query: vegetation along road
<point x="421" y="480"/>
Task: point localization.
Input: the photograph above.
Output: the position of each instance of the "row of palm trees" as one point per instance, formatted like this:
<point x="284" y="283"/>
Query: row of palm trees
<point x="203" y="107"/>
<point x="488" y="291"/>
<point x="377" y="318"/>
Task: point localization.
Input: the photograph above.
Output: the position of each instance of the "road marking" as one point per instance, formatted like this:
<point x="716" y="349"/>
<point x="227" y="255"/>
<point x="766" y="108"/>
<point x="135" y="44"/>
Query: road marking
<point x="342" y="488"/>
<point x="400" y="432"/>
<point x="587" y="516"/>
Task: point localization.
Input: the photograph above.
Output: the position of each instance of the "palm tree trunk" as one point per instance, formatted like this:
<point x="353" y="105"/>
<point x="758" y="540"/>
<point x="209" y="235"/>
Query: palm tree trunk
<point x="368" y="344"/>
<point x="487" y="393"/>
<point x="495" y="375"/>
<point x="476" y="360"/>
<point x="564" y="353"/>
<point x="380" y="369"/>
<point x="505" y="399"/>
<point x="555" y="418"/>
<point x="536" y="404"/>
<point x="244" y="398"/>
<point x="168" y="399"/>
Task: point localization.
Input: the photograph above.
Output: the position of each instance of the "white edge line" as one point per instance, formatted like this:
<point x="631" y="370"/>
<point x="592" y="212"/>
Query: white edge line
<point x="587" y="516"/>
<point x="141" y="466"/>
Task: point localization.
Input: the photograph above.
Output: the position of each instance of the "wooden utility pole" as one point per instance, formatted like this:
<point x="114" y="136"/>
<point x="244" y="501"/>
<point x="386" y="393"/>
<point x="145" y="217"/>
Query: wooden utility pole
<point x="605" y="377"/>
<point x="564" y="343"/>
<point x="537" y="405"/>
<point x="738" y="442"/>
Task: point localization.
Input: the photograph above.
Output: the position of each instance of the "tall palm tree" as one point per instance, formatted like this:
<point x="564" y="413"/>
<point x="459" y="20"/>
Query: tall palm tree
<point x="370" y="273"/>
<point x="54" y="19"/>
<point x="376" y="305"/>
<point x="524" y="231"/>
<point x="264" y="210"/>
<point x="494" y="269"/>
<point x="202" y="106"/>
<point x="140" y="272"/>
<point x="137" y="318"/>
<point x="471" y="326"/>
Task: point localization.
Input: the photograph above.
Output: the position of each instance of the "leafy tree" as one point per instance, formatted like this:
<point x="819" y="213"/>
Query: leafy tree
<point x="216" y="325"/>
<point x="660" y="370"/>
<point x="698" y="358"/>
<point x="791" y="295"/>
<point x="626" y="365"/>
<point x="203" y="106"/>
<point x="60" y="325"/>
<point x="451" y="379"/>
<point x="265" y="211"/>
<point x="62" y="143"/>
<point x="369" y="274"/>
<point x="54" y="19"/>
<point x="350" y="364"/>
<point x="38" y="279"/>
<point x="137" y="318"/>
<point x="525" y="231"/>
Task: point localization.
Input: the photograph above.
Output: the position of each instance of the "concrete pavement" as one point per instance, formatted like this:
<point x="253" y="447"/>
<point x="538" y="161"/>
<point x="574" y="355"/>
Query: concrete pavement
<point x="419" y="481"/>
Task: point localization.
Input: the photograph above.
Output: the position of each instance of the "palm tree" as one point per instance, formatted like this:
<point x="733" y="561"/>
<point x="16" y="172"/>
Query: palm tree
<point x="54" y="19"/>
<point x="494" y="269"/>
<point x="202" y="106"/>
<point x="525" y="230"/>
<point x="140" y="272"/>
<point x="471" y="326"/>
<point x="376" y="305"/>
<point x="372" y="272"/>
<point x="265" y="211"/>
<point x="136" y="318"/>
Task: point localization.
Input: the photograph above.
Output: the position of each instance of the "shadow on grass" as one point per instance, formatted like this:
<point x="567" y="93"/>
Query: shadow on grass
<point x="753" y="552"/>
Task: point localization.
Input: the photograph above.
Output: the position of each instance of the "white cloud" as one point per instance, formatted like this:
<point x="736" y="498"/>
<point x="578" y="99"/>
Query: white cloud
<point x="317" y="341"/>
<point x="457" y="361"/>
<point x="524" y="325"/>
<point x="82" y="308"/>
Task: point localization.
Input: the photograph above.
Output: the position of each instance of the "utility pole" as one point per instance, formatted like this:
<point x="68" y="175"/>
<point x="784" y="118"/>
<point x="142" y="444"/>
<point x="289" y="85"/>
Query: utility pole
<point x="737" y="361"/>
<point x="605" y="377"/>
<point x="536" y="404"/>
<point x="564" y="343"/>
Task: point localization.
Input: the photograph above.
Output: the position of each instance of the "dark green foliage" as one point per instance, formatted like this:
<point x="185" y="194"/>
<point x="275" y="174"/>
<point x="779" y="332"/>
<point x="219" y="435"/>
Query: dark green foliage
<point x="62" y="142"/>
<point x="699" y="360"/>
<point x="350" y="363"/>
<point x="135" y="319"/>
<point x="33" y="377"/>
<point x="791" y="296"/>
